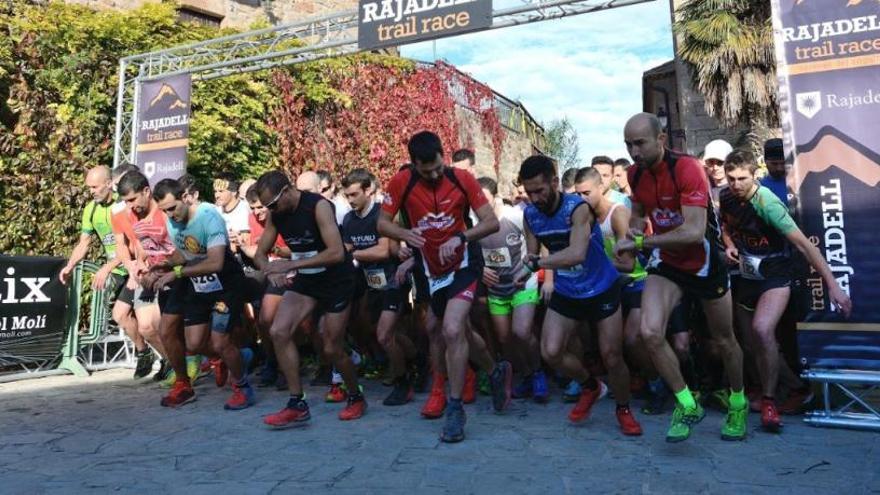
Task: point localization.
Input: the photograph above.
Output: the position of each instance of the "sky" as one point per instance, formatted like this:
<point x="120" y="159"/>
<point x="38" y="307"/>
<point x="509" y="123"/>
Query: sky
<point x="587" y="67"/>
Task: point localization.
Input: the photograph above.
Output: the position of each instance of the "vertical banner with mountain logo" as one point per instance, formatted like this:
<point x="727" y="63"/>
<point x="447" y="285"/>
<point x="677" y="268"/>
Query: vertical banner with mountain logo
<point x="163" y="127"/>
<point x="828" y="56"/>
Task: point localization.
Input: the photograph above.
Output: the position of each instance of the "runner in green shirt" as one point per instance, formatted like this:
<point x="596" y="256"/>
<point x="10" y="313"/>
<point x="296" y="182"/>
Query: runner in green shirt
<point x="759" y="235"/>
<point x="112" y="276"/>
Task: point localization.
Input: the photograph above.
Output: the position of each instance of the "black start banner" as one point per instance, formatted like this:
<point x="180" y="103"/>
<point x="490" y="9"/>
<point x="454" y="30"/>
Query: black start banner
<point x="384" y="23"/>
<point x="33" y="306"/>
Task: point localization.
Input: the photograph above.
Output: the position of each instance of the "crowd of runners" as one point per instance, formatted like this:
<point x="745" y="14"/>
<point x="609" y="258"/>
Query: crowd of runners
<point x="668" y="281"/>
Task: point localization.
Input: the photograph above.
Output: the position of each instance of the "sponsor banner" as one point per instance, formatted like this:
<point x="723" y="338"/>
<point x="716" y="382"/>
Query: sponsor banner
<point x="383" y="23"/>
<point x="33" y="306"/>
<point x="828" y="56"/>
<point x="163" y="127"/>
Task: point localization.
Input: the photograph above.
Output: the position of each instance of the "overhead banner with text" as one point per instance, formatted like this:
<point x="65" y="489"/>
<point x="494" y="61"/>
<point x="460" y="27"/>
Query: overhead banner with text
<point x="33" y="306"/>
<point x="163" y="127"/>
<point x="828" y="56"/>
<point x="383" y="23"/>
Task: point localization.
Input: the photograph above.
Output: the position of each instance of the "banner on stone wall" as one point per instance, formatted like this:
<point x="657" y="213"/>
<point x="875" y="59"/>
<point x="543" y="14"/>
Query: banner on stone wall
<point x="163" y="127"/>
<point x="33" y="307"/>
<point x="828" y="56"/>
<point x="383" y="23"/>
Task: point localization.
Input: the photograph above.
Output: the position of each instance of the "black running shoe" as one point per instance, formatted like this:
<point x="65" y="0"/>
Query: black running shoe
<point x="453" y="430"/>
<point x="162" y="373"/>
<point x="401" y="393"/>
<point x="501" y="381"/>
<point x="145" y="360"/>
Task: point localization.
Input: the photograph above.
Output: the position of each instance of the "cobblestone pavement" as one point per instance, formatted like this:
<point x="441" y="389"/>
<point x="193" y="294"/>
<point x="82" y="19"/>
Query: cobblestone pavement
<point x="106" y="433"/>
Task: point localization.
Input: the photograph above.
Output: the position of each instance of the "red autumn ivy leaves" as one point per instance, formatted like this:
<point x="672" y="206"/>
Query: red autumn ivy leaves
<point x="378" y="108"/>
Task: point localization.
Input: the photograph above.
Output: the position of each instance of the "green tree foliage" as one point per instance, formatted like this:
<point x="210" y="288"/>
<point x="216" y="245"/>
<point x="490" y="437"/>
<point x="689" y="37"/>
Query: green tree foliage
<point x="728" y="45"/>
<point x="561" y="143"/>
<point x="58" y="81"/>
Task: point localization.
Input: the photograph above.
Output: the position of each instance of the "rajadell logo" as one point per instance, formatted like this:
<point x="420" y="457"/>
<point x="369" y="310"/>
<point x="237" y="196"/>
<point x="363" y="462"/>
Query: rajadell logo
<point x="809" y="104"/>
<point x="149" y="169"/>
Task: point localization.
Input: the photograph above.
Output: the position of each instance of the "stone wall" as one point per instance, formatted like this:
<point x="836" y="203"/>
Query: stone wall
<point x="699" y="128"/>
<point x="516" y="148"/>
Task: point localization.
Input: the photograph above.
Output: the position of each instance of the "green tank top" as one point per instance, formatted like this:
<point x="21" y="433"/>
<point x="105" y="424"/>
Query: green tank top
<point x="96" y="220"/>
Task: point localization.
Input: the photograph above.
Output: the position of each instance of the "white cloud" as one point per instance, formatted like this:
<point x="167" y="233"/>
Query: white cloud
<point x="588" y="67"/>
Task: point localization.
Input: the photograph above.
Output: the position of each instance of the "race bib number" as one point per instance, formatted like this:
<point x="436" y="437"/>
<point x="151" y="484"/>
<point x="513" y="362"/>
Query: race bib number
<point x="206" y="283"/>
<point x="437" y="283"/>
<point x="307" y="255"/>
<point x="750" y="267"/>
<point x="376" y="278"/>
<point x="497" y="258"/>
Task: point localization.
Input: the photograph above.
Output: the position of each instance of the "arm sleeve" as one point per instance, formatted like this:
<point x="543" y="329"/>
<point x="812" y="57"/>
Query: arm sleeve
<point x="693" y="185"/>
<point x="772" y="211"/>
<point x="393" y="193"/>
<point x="215" y="230"/>
<point x="86" y="225"/>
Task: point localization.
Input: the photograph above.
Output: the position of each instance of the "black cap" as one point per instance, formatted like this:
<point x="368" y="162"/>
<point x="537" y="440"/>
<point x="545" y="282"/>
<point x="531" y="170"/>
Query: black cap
<point x="773" y="149"/>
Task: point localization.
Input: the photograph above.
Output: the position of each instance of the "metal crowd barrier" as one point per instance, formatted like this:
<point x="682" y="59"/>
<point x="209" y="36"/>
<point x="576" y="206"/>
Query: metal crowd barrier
<point x="104" y="345"/>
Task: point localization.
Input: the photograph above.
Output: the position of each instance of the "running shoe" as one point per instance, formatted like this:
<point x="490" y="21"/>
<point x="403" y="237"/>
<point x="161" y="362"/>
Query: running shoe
<point x="401" y="394"/>
<point x="335" y="394"/>
<point x="501" y="381"/>
<point x="356" y="408"/>
<point x="484" y="385"/>
<point x="453" y="429"/>
<point x="682" y="421"/>
<point x="169" y="381"/>
<point x="628" y="424"/>
<point x="221" y="371"/>
<point x="294" y="414"/>
<point x="436" y="403"/>
<point x="540" y="391"/>
<point x="145" y="360"/>
<point x="770" y="420"/>
<point x="242" y="398"/>
<point x="657" y="397"/>
<point x="796" y="402"/>
<point x="572" y="392"/>
<point x="469" y="392"/>
<point x="181" y="393"/>
<point x="734" y="427"/>
<point x="720" y="398"/>
<point x="162" y="373"/>
<point x="523" y="389"/>
<point x="581" y="410"/>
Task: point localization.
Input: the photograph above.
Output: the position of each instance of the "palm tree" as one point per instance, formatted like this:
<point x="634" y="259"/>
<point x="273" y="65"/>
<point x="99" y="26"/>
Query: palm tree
<point x="728" y="45"/>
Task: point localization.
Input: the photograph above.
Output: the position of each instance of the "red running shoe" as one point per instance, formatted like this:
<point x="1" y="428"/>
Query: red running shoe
<point x="469" y="392"/>
<point x="335" y="394"/>
<point x="581" y="410"/>
<point x="796" y="402"/>
<point x="242" y="398"/>
<point x="770" y="416"/>
<point x="436" y="403"/>
<point x="355" y="409"/>
<point x="287" y="417"/>
<point x="221" y="372"/>
<point x="181" y="393"/>
<point x="628" y="424"/>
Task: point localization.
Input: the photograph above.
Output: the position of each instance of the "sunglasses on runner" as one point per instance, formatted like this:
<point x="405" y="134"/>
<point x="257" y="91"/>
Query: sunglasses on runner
<point x="271" y="205"/>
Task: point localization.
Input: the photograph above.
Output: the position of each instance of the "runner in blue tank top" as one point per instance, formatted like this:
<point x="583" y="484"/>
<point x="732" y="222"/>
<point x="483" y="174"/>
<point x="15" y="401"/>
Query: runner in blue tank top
<point x="585" y="287"/>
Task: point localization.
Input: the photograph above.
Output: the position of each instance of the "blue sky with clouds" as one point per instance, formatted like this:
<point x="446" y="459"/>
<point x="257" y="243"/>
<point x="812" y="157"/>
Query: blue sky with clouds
<point x="585" y="67"/>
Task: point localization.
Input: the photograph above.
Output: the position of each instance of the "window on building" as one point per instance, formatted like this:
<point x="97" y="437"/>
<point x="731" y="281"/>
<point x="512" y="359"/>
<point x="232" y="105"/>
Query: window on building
<point x="185" y="14"/>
